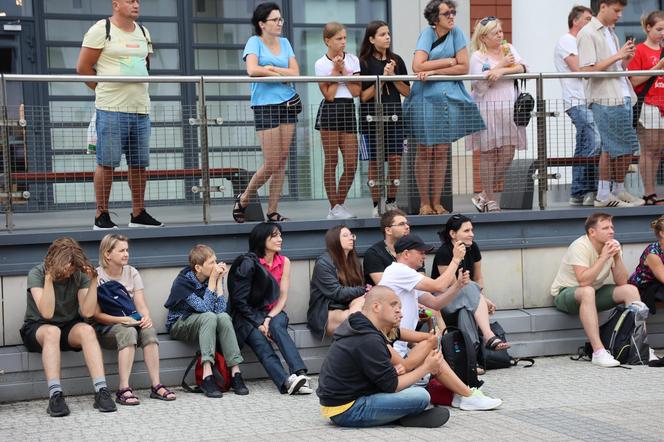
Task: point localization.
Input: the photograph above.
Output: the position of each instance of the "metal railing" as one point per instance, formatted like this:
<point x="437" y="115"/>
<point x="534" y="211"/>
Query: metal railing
<point x="204" y="161"/>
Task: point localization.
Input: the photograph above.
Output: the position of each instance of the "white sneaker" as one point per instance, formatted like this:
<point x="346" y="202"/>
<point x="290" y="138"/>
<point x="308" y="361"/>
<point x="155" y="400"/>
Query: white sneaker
<point x="604" y="359"/>
<point x="305" y="388"/>
<point x="347" y="213"/>
<point x="295" y="382"/>
<point x="477" y="401"/>
<point x="632" y="200"/>
<point x="611" y="201"/>
<point x="391" y="206"/>
<point x="374" y="212"/>
<point x="589" y="199"/>
<point x="335" y="213"/>
<point x="479" y="202"/>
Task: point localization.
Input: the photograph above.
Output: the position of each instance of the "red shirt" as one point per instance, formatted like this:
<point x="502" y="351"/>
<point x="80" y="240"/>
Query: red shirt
<point x="644" y="59"/>
<point x="276" y="270"/>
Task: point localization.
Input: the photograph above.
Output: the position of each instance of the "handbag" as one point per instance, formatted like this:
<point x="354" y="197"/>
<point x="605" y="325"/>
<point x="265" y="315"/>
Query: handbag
<point x="641" y="97"/>
<point x="523" y="106"/>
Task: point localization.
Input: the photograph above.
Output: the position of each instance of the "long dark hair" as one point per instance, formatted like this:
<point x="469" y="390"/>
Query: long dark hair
<point x="366" y="48"/>
<point x="348" y="267"/>
<point x="259" y="236"/>
<point x="454" y="223"/>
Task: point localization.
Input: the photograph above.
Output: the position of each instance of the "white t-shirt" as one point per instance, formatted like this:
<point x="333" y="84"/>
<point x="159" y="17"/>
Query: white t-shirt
<point x="402" y="279"/>
<point x="618" y="64"/>
<point x="573" y="94"/>
<point x="324" y="67"/>
<point x="130" y="279"/>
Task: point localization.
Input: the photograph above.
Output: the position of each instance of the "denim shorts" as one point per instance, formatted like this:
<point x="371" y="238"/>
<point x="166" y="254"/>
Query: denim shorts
<point x="393" y="138"/>
<point x="614" y="124"/>
<point x="122" y="132"/>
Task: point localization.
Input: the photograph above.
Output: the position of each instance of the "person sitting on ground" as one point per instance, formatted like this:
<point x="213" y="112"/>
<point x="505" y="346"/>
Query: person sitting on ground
<point x="124" y="333"/>
<point x="459" y="230"/>
<point x="649" y="274"/>
<point x="197" y="314"/>
<point x="359" y="387"/>
<point x="337" y="287"/>
<point x="258" y="290"/>
<point x="583" y="284"/>
<point x="61" y="290"/>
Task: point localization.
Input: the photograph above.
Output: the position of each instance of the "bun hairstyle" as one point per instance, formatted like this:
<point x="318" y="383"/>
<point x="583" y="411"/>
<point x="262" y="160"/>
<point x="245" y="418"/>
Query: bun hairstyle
<point x="658" y="226"/>
<point x="331" y="29"/>
<point x="651" y="19"/>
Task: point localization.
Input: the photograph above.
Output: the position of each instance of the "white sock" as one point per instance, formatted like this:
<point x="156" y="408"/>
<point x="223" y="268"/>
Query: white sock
<point x="603" y="189"/>
<point x="618" y="187"/>
<point x="599" y="352"/>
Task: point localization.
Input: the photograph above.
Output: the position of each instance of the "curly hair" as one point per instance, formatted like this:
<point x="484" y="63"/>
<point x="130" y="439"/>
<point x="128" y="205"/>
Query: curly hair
<point x="64" y="254"/>
<point x="431" y="10"/>
<point x="658" y="226"/>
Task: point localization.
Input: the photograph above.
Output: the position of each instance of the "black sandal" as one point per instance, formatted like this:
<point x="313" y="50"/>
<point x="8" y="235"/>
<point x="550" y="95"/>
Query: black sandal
<point x="123" y="399"/>
<point x="167" y="396"/>
<point x="493" y="342"/>
<point x="652" y="200"/>
<point x="276" y="217"/>
<point x="238" y="210"/>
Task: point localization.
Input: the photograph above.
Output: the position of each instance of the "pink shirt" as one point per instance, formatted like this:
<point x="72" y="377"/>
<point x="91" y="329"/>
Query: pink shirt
<point x="276" y="270"/>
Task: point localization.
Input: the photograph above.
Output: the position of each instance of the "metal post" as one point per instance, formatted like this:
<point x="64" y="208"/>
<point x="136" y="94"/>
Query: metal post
<point x="205" y="152"/>
<point x="6" y="157"/>
<point x="543" y="181"/>
<point x="381" y="182"/>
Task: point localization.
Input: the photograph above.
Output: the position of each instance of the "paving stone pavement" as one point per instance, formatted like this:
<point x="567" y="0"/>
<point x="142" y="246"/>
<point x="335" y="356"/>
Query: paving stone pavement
<point x="556" y="400"/>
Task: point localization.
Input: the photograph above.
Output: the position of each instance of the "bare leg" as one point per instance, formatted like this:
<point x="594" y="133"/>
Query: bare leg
<point x="503" y="162"/>
<point x="423" y="158"/>
<point x="151" y="358"/>
<point x="394" y="173"/>
<point x="125" y="363"/>
<point x="348" y="147"/>
<point x="83" y="336"/>
<point x="336" y="317"/>
<point x="482" y="318"/>
<point x="373" y="176"/>
<point x="286" y="132"/>
<point x="604" y="167"/>
<point x="103" y="181"/>
<point x="439" y="169"/>
<point x="626" y="294"/>
<point x="448" y="378"/>
<point x="650" y="158"/>
<point x="585" y="296"/>
<point x="48" y="337"/>
<point x="137" y="181"/>
<point x="269" y="140"/>
<point x="620" y="165"/>
<point x="331" y="143"/>
<point x="488" y="172"/>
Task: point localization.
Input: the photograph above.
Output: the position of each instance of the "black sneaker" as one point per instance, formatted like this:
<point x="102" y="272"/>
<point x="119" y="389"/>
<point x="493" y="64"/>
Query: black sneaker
<point x="144" y="220"/>
<point x="103" y="222"/>
<point x="238" y="386"/>
<point x="57" y="407"/>
<point x="104" y="402"/>
<point x="209" y="387"/>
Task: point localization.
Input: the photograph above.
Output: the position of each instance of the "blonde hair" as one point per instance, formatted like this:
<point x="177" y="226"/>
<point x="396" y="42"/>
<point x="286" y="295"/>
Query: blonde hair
<point x="658" y="226"/>
<point x="331" y="29"/>
<point x="107" y="245"/>
<point x="198" y="255"/>
<point x="476" y="43"/>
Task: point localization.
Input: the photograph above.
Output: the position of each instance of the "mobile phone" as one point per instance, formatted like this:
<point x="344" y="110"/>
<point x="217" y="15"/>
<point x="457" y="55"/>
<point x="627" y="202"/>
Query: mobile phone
<point x="630" y="38"/>
<point x="137" y="316"/>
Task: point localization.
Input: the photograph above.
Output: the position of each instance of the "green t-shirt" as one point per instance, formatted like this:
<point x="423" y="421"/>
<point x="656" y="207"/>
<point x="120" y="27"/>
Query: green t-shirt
<point x="66" y="296"/>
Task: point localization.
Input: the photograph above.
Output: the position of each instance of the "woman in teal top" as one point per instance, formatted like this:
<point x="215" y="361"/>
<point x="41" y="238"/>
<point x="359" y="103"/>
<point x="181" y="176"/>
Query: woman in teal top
<point x="437" y="113"/>
<point x="275" y="106"/>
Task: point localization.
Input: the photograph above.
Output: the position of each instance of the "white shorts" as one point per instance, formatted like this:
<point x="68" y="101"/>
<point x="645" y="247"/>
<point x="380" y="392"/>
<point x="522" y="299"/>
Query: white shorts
<point x="651" y="117"/>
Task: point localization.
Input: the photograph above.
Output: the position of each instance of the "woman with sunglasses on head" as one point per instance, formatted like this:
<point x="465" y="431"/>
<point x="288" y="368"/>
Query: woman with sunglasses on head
<point x="275" y="106"/>
<point x="437" y="113"/>
<point x="460" y="229"/>
<point x="337" y="287"/>
<point x="494" y="57"/>
<point x="648" y="276"/>
<point x="376" y="58"/>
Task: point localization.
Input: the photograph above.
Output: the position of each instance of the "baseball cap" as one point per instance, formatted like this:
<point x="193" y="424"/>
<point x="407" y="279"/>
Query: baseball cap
<point x="411" y="242"/>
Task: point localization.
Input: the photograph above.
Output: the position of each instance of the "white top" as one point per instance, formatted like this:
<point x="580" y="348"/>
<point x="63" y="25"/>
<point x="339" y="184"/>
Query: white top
<point x="324" y="67"/>
<point x="573" y="94"/>
<point x="402" y="279"/>
<point x="618" y="64"/>
<point x="130" y="279"/>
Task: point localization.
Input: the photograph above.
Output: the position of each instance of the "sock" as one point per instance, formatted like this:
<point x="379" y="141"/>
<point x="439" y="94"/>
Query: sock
<point x="375" y="203"/>
<point x="53" y="387"/>
<point x="618" y="187"/>
<point x="99" y="383"/>
<point x="390" y="200"/>
<point x="603" y="190"/>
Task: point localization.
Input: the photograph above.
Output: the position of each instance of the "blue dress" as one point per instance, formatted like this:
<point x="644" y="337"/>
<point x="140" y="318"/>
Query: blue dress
<point x="440" y="112"/>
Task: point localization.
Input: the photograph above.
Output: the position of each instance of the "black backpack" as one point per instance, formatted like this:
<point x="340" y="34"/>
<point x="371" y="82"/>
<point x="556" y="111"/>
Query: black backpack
<point x="459" y="352"/>
<point x="107" y="25"/>
<point x="523" y="106"/>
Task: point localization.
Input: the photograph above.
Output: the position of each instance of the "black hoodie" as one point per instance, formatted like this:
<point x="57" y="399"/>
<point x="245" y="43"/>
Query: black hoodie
<point x="357" y="364"/>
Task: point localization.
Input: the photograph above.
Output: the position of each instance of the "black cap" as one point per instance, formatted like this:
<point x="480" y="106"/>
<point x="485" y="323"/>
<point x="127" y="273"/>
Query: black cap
<point x="411" y="242"/>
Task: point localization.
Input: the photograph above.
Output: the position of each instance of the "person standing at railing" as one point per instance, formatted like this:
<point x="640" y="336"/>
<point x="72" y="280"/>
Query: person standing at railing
<point x="495" y="97"/>
<point x="437" y="113"/>
<point x="336" y="118"/>
<point x="376" y="58"/>
<point x="120" y="46"/>
<point x="566" y="59"/>
<point x="275" y="106"/>
<point x="649" y="56"/>
<point x="611" y="101"/>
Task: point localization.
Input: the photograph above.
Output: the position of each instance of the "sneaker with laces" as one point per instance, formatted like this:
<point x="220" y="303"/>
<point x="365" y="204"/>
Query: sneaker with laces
<point x="477" y="401"/>
<point x="295" y="382"/>
<point x="492" y="206"/>
<point x="347" y="213"/>
<point x="604" y="359"/>
<point x="104" y="402"/>
<point x="611" y="201"/>
<point x="305" y="388"/>
<point x="144" y="220"/>
<point x="576" y="201"/>
<point x="238" y="386"/>
<point x="57" y="407"/>
<point x="589" y="199"/>
<point x="632" y="200"/>
<point x="479" y="202"/>
<point x="103" y="222"/>
<point x="210" y="388"/>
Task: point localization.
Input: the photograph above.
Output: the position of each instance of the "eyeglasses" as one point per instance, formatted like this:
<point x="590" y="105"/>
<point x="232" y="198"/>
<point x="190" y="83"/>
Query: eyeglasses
<point x="351" y="235"/>
<point x="488" y="19"/>
<point x="277" y="20"/>
<point x="448" y="14"/>
<point x="401" y="224"/>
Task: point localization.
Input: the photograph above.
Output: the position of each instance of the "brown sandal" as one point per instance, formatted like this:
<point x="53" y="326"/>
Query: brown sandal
<point x="652" y="200"/>
<point x="426" y="210"/>
<point x="439" y="210"/>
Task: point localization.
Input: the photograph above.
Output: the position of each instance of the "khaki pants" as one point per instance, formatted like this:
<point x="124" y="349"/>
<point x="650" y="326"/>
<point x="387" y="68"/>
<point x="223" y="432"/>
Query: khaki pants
<point x="207" y="330"/>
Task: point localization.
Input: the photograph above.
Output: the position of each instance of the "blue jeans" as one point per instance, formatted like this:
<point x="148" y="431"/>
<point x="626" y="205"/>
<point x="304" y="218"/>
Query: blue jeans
<point x="383" y="408"/>
<point x="584" y="177"/>
<point x="123" y="133"/>
<point x="268" y="357"/>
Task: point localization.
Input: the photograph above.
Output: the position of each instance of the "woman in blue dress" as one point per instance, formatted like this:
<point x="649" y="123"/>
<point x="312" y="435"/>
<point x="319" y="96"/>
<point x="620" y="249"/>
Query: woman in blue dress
<point x="437" y="113"/>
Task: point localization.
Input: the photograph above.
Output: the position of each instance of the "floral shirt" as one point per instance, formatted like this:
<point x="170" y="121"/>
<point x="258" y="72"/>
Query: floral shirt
<point x="643" y="275"/>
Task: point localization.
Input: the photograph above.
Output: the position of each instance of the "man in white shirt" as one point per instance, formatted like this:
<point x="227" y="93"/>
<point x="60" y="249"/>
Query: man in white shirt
<point x="592" y="276"/>
<point x="566" y="59"/>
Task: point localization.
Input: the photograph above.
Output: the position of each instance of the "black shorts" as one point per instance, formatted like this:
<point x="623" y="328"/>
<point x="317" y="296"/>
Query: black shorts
<point x="29" y="335"/>
<point x="270" y="116"/>
<point x="393" y="137"/>
<point x="337" y="116"/>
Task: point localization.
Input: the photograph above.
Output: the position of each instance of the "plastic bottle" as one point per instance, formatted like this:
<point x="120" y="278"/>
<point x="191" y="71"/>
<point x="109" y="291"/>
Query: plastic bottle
<point x="92" y="135"/>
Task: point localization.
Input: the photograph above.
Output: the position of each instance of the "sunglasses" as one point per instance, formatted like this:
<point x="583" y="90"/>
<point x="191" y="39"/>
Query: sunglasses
<point x="450" y="13"/>
<point x="488" y="19"/>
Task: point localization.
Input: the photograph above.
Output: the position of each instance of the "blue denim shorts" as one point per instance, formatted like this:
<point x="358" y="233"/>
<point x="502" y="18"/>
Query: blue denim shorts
<point x="122" y="132"/>
<point x="614" y="124"/>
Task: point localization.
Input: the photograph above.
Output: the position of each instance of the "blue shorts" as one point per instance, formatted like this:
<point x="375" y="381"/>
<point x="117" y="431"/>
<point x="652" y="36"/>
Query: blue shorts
<point x="122" y="132"/>
<point x="614" y="123"/>
<point x="394" y="137"/>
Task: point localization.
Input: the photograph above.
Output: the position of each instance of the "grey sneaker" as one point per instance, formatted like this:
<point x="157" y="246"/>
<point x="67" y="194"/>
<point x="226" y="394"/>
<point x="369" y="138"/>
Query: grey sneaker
<point x="589" y="199"/>
<point x="295" y="382"/>
<point x="576" y="201"/>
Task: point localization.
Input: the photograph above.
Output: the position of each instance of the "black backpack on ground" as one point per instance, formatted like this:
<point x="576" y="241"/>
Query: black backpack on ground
<point x="459" y="352"/>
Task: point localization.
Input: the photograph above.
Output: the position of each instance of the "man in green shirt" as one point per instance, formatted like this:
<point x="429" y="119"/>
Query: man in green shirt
<point x="61" y="292"/>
